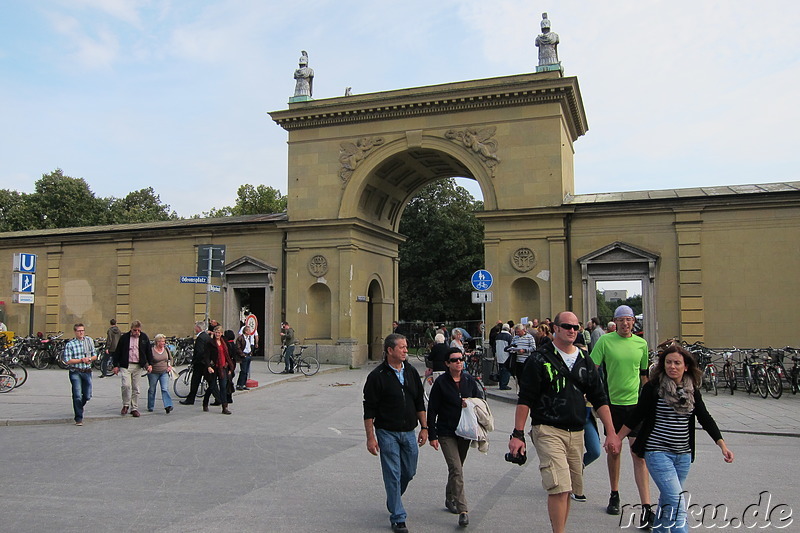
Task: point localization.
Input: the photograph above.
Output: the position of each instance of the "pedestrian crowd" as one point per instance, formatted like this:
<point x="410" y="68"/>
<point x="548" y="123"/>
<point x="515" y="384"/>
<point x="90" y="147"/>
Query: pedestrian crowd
<point x="216" y="354"/>
<point x="567" y="376"/>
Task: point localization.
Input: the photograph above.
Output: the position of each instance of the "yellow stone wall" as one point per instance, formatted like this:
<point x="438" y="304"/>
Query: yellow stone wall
<point x="134" y="278"/>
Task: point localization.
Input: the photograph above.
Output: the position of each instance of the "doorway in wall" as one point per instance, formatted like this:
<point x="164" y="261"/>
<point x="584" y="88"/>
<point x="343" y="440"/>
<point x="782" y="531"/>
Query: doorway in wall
<point x="251" y="300"/>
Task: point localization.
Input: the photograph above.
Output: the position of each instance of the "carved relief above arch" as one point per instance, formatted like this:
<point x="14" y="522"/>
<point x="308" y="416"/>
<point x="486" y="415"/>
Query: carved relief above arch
<point x="383" y="183"/>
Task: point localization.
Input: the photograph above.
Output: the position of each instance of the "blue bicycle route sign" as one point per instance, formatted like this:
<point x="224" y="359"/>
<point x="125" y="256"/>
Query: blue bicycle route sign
<point x="481" y="280"/>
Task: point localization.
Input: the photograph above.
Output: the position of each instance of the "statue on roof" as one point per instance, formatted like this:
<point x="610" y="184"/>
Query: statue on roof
<point x="547" y="43"/>
<point x="303" y="89"/>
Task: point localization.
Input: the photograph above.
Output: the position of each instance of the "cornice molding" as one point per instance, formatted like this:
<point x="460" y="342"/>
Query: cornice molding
<point x="520" y="90"/>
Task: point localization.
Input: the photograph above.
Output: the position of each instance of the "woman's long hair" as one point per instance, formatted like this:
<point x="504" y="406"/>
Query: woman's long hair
<point x="692" y="369"/>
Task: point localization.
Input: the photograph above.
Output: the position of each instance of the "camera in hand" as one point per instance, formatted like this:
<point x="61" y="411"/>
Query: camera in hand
<point x="516" y="459"/>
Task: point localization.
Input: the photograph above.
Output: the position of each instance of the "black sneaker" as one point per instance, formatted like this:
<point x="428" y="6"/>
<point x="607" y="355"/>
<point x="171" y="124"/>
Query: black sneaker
<point x="613" y="504"/>
<point x="463" y="520"/>
<point x="451" y="506"/>
<point x="648" y="519"/>
<point x="399" y="527"/>
<point x="578" y="497"/>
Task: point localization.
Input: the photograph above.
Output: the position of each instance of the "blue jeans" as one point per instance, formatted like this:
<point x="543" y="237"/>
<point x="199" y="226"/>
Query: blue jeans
<point x="161" y="378"/>
<point x="81" y="391"/>
<point x="399" y="452"/>
<point x="504" y="374"/>
<point x="244" y="370"/>
<point x="591" y="440"/>
<point x="669" y="471"/>
<point x="287" y="356"/>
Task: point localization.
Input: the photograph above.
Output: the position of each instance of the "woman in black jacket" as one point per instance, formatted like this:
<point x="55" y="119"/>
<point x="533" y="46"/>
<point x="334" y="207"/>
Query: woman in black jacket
<point x="444" y="413"/>
<point x="669" y="404"/>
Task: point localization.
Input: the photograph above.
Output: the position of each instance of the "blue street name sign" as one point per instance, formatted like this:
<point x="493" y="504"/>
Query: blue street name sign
<point x="481" y="280"/>
<point x="194" y="279"/>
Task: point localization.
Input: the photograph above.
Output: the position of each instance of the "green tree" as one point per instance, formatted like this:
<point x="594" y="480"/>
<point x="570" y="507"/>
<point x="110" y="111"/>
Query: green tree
<point x="259" y="200"/>
<point x="63" y="202"/>
<point x="444" y="246"/>
<point x="15" y="211"/>
<point x="143" y="205"/>
<point x="60" y="201"/>
<point x="604" y="312"/>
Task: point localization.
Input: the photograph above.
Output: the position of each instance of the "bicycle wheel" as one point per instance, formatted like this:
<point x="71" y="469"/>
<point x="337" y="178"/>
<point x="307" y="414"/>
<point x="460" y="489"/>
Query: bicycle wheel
<point x="183" y="383"/>
<point x="707" y="378"/>
<point x="20" y="374"/>
<point x="730" y="377"/>
<point x="7" y="382"/>
<point x="760" y="380"/>
<point x="747" y="378"/>
<point x="39" y="359"/>
<point x="774" y="385"/>
<point x="308" y="365"/>
<point x="107" y="365"/>
<point x="713" y="379"/>
<point x="275" y="364"/>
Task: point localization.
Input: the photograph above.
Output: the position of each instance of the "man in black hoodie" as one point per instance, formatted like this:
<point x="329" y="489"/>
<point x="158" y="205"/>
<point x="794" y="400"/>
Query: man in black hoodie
<point x="552" y="386"/>
<point x="393" y="404"/>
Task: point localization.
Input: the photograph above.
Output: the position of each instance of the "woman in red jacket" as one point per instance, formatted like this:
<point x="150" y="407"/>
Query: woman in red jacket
<point x="220" y="365"/>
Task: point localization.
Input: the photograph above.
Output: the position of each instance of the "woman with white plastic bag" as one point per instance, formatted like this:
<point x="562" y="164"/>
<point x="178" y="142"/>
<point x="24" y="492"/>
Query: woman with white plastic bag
<point x="445" y="407"/>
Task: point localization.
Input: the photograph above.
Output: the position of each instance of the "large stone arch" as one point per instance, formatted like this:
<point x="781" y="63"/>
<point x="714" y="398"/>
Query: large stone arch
<point x="382" y="186"/>
<point x="355" y="162"/>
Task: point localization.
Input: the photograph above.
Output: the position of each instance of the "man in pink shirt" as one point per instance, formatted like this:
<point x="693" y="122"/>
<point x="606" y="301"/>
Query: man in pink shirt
<point x="133" y="352"/>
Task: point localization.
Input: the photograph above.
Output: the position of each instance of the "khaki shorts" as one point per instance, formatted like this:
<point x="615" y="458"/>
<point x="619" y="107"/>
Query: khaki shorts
<point x="560" y="458"/>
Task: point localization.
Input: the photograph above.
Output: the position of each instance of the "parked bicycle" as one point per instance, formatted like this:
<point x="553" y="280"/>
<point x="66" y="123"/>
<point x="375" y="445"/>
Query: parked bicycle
<point x="709" y="381"/>
<point x="755" y="376"/>
<point x="13" y="369"/>
<point x="183" y="383"/>
<point x="307" y="364"/>
<point x="773" y="365"/>
<point x="794" y="372"/>
<point x="729" y="370"/>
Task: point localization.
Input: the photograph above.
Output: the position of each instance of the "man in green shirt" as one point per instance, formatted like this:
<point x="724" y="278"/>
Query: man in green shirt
<point x="623" y="357"/>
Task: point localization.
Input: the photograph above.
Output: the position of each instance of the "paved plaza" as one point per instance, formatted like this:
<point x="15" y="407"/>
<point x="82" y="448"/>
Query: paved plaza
<point x="292" y="457"/>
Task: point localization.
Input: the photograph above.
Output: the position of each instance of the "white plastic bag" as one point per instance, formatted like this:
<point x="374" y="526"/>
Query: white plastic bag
<point x="468" y="424"/>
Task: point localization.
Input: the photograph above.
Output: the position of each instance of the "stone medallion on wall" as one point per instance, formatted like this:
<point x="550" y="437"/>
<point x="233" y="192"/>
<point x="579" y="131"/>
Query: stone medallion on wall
<point x="523" y="259"/>
<point x="318" y="266"/>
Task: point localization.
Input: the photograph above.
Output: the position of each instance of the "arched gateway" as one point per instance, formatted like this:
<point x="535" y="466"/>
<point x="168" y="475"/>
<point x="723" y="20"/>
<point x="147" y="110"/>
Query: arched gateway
<point x="707" y="258"/>
<point x="356" y="161"/>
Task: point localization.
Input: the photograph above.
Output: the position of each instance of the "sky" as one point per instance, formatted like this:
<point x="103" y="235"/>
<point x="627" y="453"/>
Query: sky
<point x="174" y="94"/>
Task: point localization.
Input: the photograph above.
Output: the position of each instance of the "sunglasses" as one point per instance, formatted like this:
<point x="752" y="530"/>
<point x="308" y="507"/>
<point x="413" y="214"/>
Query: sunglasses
<point x="457" y="360"/>
<point x="574" y="327"/>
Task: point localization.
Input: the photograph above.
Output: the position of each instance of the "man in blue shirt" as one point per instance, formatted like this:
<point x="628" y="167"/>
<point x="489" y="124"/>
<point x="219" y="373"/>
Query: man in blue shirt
<point x="78" y="356"/>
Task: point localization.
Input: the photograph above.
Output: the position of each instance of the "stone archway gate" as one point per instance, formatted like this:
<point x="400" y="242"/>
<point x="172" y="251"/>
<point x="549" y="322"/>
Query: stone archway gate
<point x="356" y="161"/>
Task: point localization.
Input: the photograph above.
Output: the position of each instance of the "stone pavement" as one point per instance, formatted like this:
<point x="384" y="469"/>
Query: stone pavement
<point x="292" y="458"/>
<point x="45" y="398"/>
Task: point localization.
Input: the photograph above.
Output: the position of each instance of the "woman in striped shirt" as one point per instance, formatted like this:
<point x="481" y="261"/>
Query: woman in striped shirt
<point x="669" y="404"/>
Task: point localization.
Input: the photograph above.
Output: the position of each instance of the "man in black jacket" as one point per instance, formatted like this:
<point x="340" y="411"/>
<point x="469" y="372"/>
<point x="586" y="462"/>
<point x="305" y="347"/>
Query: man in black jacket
<point x="133" y="350"/>
<point x="551" y="389"/>
<point x="201" y="359"/>
<point x="393" y="404"/>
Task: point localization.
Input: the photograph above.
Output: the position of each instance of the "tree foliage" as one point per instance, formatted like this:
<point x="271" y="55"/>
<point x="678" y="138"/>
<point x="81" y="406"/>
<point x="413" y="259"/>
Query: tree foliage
<point x="250" y="200"/>
<point x="143" y="205"/>
<point x="61" y="201"/>
<point x="444" y="247"/>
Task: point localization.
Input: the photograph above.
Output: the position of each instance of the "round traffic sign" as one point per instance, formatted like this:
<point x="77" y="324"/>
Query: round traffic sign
<point x="481" y="280"/>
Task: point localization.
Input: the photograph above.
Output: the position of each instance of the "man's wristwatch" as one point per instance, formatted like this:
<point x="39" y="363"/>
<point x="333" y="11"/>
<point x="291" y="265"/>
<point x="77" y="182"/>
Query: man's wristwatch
<point x="423" y="427"/>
